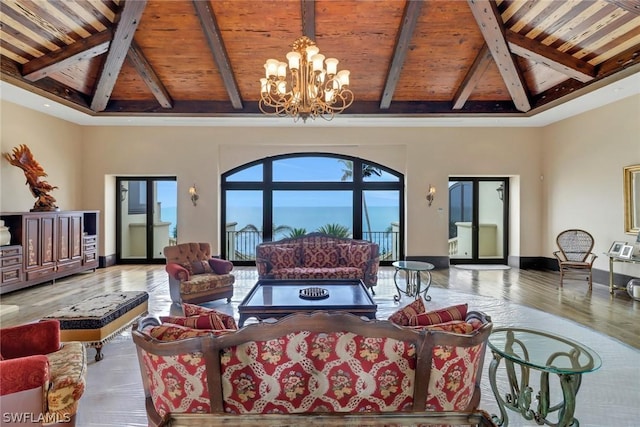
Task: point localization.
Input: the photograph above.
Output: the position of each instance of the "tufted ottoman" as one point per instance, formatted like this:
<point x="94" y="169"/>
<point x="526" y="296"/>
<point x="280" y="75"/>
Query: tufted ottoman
<point x="98" y="319"/>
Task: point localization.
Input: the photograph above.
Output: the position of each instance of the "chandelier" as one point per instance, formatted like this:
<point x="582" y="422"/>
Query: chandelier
<point x="313" y="87"/>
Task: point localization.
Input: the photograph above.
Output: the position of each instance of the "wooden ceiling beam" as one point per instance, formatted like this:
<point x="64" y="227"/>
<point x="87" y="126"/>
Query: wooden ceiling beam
<point x="58" y="60"/>
<point x="127" y="23"/>
<point x="552" y="58"/>
<point x="46" y="87"/>
<point x="309" y="19"/>
<point x="219" y="52"/>
<point x="405" y="33"/>
<point x="489" y="21"/>
<point x="471" y="80"/>
<point x="623" y="60"/>
<point x="632" y="6"/>
<point x="148" y="75"/>
<point x="408" y="109"/>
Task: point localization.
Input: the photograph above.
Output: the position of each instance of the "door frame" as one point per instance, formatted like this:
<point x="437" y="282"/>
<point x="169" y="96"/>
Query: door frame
<point x="475" y="259"/>
<point x="149" y="259"/>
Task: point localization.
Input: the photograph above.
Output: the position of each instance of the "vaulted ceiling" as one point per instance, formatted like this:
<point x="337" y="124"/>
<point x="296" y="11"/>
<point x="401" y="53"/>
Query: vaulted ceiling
<point x="407" y="58"/>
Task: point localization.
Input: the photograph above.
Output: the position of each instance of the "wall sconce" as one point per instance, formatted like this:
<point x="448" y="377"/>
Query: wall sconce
<point x="500" y="191"/>
<point x="431" y="194"/>
<point x="193" y="192"/>
<point x="123" y="193"/>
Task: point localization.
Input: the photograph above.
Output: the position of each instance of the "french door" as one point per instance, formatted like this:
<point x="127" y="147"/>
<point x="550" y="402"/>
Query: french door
<point x="478" y="220"/>
<point x="146" y="218"/>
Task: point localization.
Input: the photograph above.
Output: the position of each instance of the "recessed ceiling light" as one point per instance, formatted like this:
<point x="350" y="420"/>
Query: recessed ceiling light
<point x="47" y="105"/>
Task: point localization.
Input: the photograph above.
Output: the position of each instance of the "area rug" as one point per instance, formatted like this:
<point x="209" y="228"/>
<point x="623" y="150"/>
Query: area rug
<point x="481" y="267"/>
<point x="608" y="397"/>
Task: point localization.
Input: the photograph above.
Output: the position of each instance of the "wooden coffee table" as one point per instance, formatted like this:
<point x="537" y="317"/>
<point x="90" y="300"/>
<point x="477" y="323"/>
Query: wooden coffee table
<point x="273" y="298"/>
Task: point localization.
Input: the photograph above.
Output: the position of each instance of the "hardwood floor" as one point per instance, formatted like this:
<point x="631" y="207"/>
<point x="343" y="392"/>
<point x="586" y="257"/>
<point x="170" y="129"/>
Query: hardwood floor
<point x="114" y="394"/>
<point x="614" y="315"/>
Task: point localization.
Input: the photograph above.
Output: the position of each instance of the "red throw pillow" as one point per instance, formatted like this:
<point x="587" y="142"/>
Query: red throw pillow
<point x="402" y="316"/>
<point x="201" y="267"/>
<point x="220" y="266"/>
<point x="213" y="320"/>
<point x="171" y="332"/>
<point x="443" y="315"/>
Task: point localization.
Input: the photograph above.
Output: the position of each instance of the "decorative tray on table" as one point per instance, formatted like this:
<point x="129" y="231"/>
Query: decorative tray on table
<point x="314" y="293"/>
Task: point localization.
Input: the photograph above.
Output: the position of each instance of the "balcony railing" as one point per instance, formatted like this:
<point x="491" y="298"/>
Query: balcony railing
<point x="241" y="245"/>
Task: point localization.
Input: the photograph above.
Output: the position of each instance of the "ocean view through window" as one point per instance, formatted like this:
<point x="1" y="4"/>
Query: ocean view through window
<point x="287" y="196"/>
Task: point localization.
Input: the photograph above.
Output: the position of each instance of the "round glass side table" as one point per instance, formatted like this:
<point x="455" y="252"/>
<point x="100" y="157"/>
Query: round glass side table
<point x="413" y="283"/>
<point x="525" y="349"/>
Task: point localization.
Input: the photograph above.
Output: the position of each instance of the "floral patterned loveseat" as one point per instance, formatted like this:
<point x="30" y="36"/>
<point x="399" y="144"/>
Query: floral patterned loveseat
<point x="319" y="256"/>
<point x="320" y="363"/>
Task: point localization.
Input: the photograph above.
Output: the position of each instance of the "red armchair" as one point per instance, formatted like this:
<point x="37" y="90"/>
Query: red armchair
<point x="41" y="380"/>
<point x="195" y="277"/>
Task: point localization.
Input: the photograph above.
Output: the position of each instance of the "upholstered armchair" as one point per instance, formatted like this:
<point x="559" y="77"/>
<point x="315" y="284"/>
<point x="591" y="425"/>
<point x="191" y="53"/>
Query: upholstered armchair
<point x="41" y="380"/>
<point x="194" y="276"/>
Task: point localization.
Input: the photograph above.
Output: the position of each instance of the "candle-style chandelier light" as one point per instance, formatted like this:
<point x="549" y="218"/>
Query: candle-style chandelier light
<point x="312" y="87"/>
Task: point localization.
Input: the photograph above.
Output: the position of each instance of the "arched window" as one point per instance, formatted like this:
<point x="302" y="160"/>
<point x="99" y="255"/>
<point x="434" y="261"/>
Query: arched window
<point x="295" y="194"/>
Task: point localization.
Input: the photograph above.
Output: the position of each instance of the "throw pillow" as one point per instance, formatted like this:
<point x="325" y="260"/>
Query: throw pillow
<point x="194" y="310"/>
<point x="220" y="266"/>
<point x="443" y="315"/>
<point x="201" y="267"/>
<point x="171" y="332"/>
<point x="401" y="317"/>
<point x="204" y="321"/>
<point x="455" y="326"/>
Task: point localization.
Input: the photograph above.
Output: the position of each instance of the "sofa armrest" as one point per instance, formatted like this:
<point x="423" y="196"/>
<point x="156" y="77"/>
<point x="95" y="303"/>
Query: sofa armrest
<point x="23" y="373"/>
<point x="264" y="266"/>
<point x="220" y="266"/>
<point x="177" y="272"/>
<point x="30" y="339"/>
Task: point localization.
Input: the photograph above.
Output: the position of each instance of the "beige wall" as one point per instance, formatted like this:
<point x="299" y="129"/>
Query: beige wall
<point x="582" y="173"/>
<point x="425" y="155"/>
<point x="55" y="144"/>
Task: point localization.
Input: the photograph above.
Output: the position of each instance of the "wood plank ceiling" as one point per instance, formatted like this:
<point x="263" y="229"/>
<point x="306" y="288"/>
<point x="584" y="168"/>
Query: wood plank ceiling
<point x="407" y="58"/>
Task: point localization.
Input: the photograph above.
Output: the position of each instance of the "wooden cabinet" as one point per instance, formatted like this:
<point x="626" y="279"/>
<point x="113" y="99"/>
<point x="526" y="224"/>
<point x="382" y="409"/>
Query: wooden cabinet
<point x="53" y="244"/>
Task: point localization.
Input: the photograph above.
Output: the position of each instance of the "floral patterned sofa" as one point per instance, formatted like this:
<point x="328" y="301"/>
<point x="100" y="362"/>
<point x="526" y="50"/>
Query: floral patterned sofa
<point x="321" y="363"/>
<point x="319" y="256"/>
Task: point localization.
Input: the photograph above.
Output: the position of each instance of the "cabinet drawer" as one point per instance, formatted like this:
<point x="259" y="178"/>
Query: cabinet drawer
<point x="90" y="256"/>
<point x="10" y="275"/>
<point x="69" y="266"/>
<point x="43" y="272"/>
<point x="9" y="261"/>
<point x="10" y="251"/>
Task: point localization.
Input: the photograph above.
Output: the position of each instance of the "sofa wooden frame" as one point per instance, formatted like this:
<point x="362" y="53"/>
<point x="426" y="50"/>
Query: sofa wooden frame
<point x="320" y="322"/>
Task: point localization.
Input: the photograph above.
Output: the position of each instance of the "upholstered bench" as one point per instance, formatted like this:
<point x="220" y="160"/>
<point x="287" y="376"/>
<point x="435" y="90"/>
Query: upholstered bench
<point x="98" y="319"/>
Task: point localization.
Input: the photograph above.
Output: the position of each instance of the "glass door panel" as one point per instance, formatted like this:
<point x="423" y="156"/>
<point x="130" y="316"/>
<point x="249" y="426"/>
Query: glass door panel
<point x="381" y="221"/>
<point x="165" y="216"/>
<point x="243" y="229"/>
<point x="491" y="220"/>
<point x="460" y="219"/>
<point x="133" y="220"/>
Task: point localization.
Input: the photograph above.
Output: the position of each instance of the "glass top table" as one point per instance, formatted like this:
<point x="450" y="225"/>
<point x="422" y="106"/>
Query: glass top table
<point x="545" y="352"/>
<point x="413" y="282"/>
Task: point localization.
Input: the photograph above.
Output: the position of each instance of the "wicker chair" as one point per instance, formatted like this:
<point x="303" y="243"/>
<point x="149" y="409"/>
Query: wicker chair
<point x="575" y="254"/>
